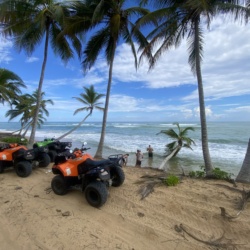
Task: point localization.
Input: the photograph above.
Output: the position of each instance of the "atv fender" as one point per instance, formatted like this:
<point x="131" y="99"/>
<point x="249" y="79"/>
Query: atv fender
<point x="69" y="167"/>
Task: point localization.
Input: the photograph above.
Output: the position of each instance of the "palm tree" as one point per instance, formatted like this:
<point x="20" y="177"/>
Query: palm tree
<point x="244" y="174"/>
<point x="10" y="84"/>
<point x="21" y="108"/>
<point x="26" y="107"/>
<point x="89" y="98"/>
<point x="114" y="23"/>
<point x="181" y="141"/>
<point x="181" y="19"/>
<point x="28" y="21"/>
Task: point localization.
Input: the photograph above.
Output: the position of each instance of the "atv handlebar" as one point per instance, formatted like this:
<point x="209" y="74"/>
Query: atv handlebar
<point x="85" y="149"/>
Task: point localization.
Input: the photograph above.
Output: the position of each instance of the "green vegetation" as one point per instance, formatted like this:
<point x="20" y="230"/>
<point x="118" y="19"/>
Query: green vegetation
<point x="221" y="175"/>
<point x="25" y="108"/>
<point x="180" y="140"/>
<point x="216" y="174"/>
<point x="10" y="85"/>
<point x="20" y="140"/>
<point x="171" y="180"/>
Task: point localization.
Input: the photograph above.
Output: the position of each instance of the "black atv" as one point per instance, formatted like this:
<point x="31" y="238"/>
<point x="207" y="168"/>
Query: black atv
<point x="22" y="159"/>
<point x="55" y="147"/>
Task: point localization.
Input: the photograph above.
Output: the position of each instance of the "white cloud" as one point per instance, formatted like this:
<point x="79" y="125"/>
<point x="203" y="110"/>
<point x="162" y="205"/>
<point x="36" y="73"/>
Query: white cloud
<point x="225" y="68"/>
<point x="208" y="111"/>
<point x="5" y="46"/>
<point x="31" y="59"/>
<point x="242" y="109"/>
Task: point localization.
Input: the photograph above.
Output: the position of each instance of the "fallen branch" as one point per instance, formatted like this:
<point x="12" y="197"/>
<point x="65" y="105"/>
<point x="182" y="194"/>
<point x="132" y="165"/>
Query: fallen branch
<point x="243" y="202"/>
<point x="230" y="188"/>
<point x="147" y="189"/>
<point x="150" y="181"/>
<point x="216" y="243"/>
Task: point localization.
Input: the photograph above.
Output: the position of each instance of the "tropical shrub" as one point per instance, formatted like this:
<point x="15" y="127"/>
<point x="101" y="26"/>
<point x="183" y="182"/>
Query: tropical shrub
<point x="217" y="174"/>
<point x="171" y="180"/>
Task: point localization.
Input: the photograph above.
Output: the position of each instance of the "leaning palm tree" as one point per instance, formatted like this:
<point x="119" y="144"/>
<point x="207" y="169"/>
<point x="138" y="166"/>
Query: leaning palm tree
<point x="181" y="19"/>
<point x="28" y="21"/>
<point x="90" y="98"/>
<point x="25" y="108"/>
<point x="180" y="141"/>
<point x="10" y="85"/>
<point x="21" y="107"/>
<point x="114" y="23"/>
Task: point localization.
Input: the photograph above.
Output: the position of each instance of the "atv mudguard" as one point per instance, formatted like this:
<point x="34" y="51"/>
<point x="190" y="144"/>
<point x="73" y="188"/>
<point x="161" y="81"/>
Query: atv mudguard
<point x="70" y="167"/>
<point x="11" y="154"/>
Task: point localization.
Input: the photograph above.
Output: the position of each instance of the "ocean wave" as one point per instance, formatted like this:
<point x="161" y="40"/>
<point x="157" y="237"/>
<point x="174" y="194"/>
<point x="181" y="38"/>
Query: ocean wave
<point x="181" y="125"/>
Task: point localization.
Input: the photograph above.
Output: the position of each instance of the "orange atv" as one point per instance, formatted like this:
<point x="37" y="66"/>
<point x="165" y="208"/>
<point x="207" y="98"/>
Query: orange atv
<point x="78" y="170"/>
<point x="19" y="157"/>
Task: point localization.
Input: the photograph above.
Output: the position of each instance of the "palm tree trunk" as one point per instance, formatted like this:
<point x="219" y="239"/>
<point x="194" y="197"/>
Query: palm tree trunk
<point x="204" y="139"/>
<point x="34" y="125"/>
<point x="76" y="127"/>
<point x="175" y="151"/>
<point x="19" y="130"/>
<point x="105" y="113"/>
<point x="244" y="174"/>
<point x="25" y="132"/>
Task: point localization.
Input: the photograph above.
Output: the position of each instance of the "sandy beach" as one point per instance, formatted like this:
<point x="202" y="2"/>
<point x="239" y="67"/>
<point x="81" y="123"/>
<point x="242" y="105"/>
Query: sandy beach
<point x="32" y="217"/>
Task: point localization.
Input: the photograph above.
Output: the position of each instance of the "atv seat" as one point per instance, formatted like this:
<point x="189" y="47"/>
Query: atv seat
<point x="90" y="164"/>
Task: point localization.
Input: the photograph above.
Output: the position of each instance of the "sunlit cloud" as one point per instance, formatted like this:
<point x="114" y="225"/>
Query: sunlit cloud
<point x="31" y="59"/>
<point x="5" y="53"/>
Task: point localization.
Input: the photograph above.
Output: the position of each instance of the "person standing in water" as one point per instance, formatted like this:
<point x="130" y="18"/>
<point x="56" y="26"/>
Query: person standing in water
<point x="150" y="151"/>
<point x="139" y="157"/>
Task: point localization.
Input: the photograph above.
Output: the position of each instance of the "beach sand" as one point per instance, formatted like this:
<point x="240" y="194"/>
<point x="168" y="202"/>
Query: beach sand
<point x="31" y="218"/>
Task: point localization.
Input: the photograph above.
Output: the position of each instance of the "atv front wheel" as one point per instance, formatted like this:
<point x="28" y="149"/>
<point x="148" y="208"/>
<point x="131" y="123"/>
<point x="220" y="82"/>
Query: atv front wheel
<point x="23" y="168"/>
<point x="43" y="160"/>
<point x="59" y="185"/>
<point x="96" y="194"/>
<point x="117" y="176"/>
<point x="52" y="154"/>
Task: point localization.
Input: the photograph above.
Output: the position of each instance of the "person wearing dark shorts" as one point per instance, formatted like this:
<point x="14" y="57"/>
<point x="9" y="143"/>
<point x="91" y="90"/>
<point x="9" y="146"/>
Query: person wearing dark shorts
<point x="150" y="151"/>
<point x="139" y="157"/>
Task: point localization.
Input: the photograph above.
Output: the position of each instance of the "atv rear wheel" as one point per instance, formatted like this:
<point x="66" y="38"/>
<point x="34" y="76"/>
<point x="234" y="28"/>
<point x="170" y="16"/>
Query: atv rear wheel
<point x="1" y="167"/>
<point x="23" y="168"/>
<point x="43" y="160"/>
<point x="52" y="154"/>
<point x="96" y="194"/>
<point x="59" y="185"/>
<point x="117" y="176"/>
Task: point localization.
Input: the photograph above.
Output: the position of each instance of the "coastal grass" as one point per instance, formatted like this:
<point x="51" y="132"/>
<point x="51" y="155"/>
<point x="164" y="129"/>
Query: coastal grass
<point x="217" y="174"/>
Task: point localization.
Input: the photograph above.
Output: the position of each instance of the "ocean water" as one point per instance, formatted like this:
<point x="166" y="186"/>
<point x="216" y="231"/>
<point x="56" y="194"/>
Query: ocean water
<point x="227" y="142"/>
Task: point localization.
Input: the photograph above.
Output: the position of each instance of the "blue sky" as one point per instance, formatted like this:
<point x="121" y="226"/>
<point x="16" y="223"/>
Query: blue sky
<point x="167" y="93"/>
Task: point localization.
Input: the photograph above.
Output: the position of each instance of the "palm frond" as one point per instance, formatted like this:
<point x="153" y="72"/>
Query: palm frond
<point x="93" y="48"/>
<point x="192" y="41"/>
